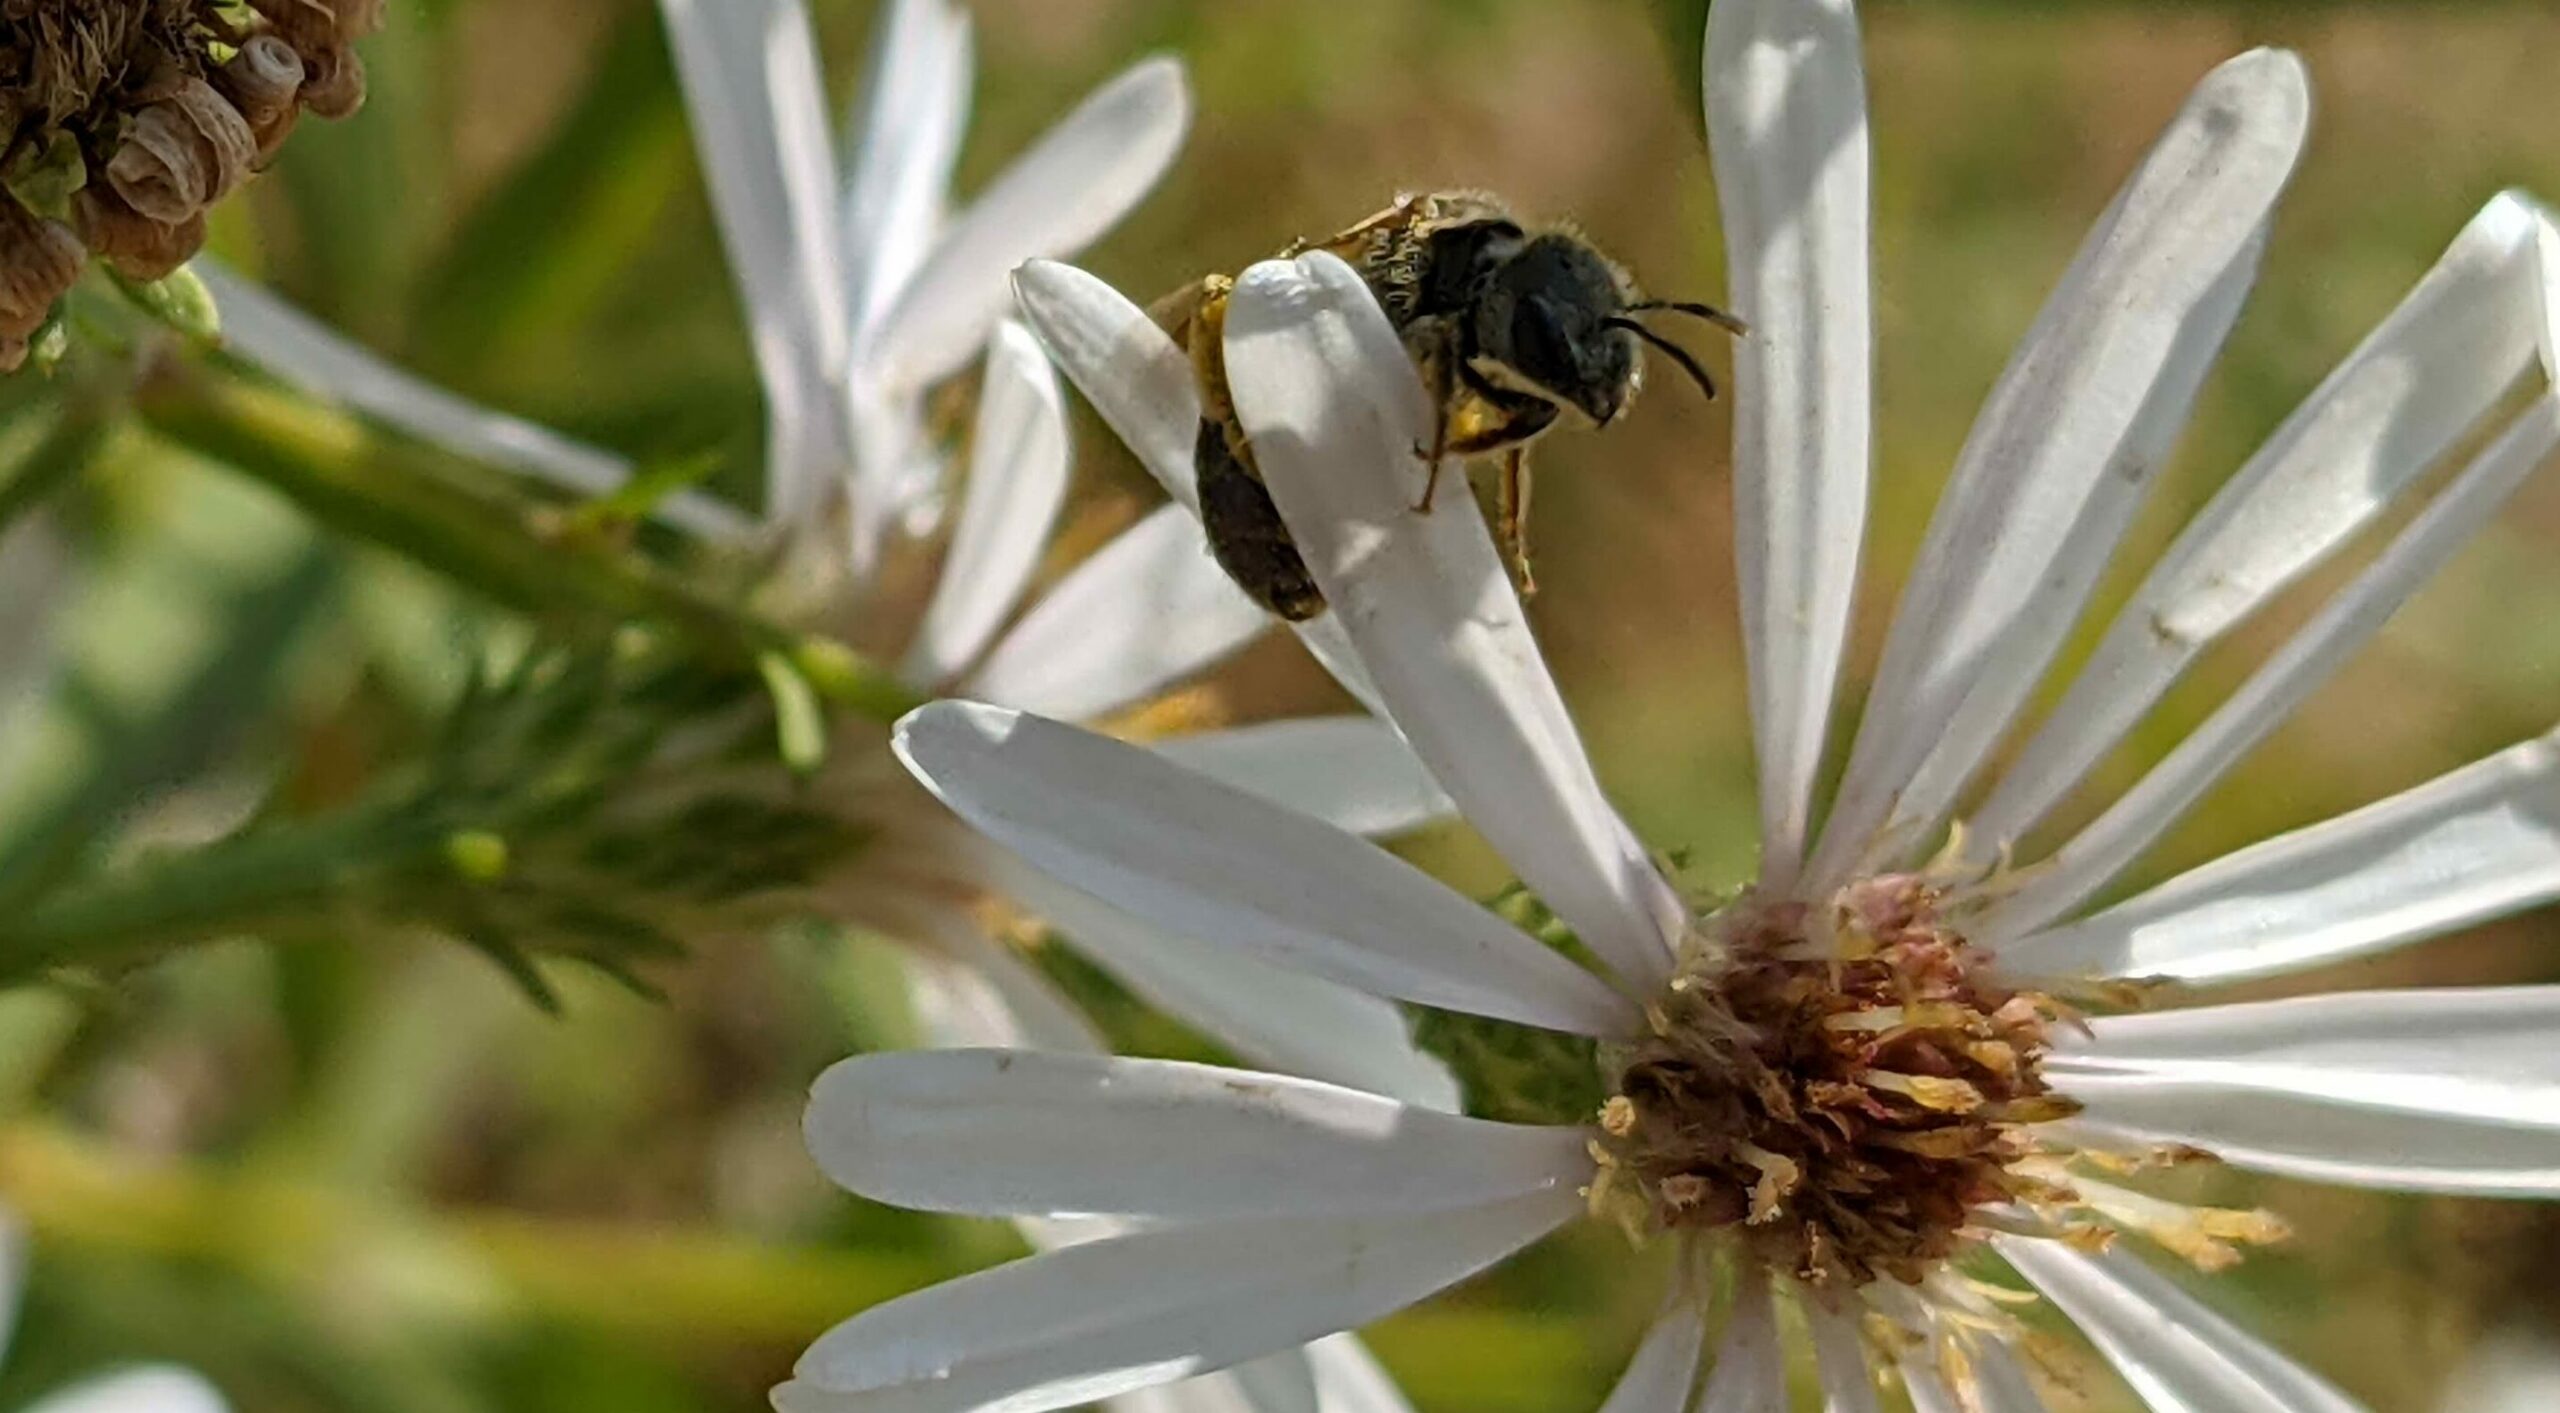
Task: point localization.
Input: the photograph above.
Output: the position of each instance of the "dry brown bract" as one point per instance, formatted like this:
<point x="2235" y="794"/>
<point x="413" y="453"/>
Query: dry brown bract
<point x="167" y="106"/>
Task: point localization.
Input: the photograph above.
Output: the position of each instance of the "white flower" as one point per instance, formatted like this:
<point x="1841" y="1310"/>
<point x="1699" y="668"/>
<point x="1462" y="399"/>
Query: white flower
<point x="854" y="314"/>
<point x="148" y="1388"/>
<point x="1831" y="1087"/>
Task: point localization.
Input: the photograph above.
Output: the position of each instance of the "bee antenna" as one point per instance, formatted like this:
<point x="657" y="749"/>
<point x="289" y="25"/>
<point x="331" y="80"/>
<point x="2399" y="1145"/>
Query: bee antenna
<point x="1675" y="352"/>
<point x="1695" y="310"/>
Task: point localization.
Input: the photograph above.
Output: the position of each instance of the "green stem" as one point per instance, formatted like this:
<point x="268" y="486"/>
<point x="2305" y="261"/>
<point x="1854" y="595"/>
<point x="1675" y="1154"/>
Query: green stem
<point x="282" y="870"/>
<point x="54" y="459"/>
<point x="419" y="504"/>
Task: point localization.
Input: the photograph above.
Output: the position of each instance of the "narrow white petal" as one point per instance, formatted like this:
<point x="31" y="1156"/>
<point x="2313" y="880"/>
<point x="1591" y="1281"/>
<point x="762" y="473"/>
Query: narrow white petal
<point x="1335" y="412"/>
<point x="2511" y="1371"/>
<point x="1349" y="1378"/>
<point x="1017" y="482"/>
<point x="2475" y="844"/>
<point x="896" y="465"/>
<point x="2038" y="626"/>
<point x="1143" y="612"/>
<point x="2071" y="434"/>
<point x="971" y="989"/>
<point x="2549" y="243"/>
<point x="1275" y="1017"/>
<point x="1203" y="860"/>
<point x="1353" y="772"/>
<point x="904" y="137"/>
<point x="1929" y="1394"/>
<point x="2422" y="380"/>
<point x="1129" y="369"/>
<point x="1075" y="184"/>
<point x="2179" y="1355"/>
<point x="1665" y="1365"/>
<point x="1750" y="1374"/>
<point x="298" y="349"/>
<point x="1144" y="389"/>
<point x="1076" y="1325"/>
<point x="2002" y="1385"/>
<point x="1840" y="1357"/>
<point x="2437" y="1091"/>
<point x="1787" y="121"/>
<point x="1275" y="1383"/>
<point x="155" y="1388"/>
<point x="758" y="107"/>
<point x="13" y="1273"/>
<point x="2117" y="837"/>
<point x="1017" y="1132"/>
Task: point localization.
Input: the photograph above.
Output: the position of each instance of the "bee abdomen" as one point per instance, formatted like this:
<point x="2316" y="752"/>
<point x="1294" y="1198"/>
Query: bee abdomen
<point x="1246" y="534"/>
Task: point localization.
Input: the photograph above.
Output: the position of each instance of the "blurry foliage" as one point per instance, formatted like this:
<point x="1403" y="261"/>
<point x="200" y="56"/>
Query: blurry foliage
<point x="359" y="1172"/>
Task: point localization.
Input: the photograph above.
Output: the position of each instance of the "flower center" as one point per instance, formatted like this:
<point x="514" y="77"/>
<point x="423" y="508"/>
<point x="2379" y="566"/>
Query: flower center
<point x="1839" y="1087"/>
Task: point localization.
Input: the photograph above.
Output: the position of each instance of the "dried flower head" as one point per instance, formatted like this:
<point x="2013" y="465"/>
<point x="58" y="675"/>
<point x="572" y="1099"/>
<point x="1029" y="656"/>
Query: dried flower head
<point x="156" y="110"/>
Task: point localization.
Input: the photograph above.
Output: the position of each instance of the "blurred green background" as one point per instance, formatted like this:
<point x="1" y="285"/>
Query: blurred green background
<point x="360" y="1171"/>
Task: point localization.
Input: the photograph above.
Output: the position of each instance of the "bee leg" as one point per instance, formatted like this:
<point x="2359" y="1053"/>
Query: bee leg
<point x="1437" y="365"/>
<point x="1515" y="515"/>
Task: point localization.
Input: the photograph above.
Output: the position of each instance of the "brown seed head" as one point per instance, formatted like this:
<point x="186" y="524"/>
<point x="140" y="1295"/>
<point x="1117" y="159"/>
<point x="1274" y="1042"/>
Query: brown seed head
<point x="1842" y="1109"/>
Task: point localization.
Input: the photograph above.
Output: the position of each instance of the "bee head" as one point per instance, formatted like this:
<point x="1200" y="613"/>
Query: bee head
<point x="1553" y="317"/>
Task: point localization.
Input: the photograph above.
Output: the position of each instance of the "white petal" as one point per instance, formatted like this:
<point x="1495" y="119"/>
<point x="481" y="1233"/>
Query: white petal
<point x="1353" y="772"/>
<point x="904" y="137"/>
<point x="1017" y="481"/>
<point x="2436" y="1091"/>
<point x="1665" y="1366"/>
<point x="2549" y="243"/>
<point x="1200" y="859"/>
<point x="1335" y="412"/>
<point x="1007" y="1132"/>
<point x="973" y="990"/>
<point x="157" y="1388"/>
<point x="1276" y="1018"/>
<point x="1143" y="612"/>
<point x="1840" y="1357"/>
<point x="2478" y="843"/>
<point x="1750" y="1373"/>
<point x="1928" y="1393"/>
<point x="1080" y="179"/>
<point x="13" y="1273"/>
<point x="2038" y="626"/>
<point x="758" y="107"/>
<point x="1787" y="122"/>
<point x="1144" y="388"/>
<point x="1350" y="1380"/>
<point x="1129" y="369"/>
<point x="1072" y="1326"/>
<point x="2307" y="660"/>
<point x="2423" y="378"/>
<point x="298" y="349"/>
<point x="2051" y="473"/>
<point x="896" y="465"/>
<point x="2178" y="1354"/>
<point x="1276" y="1383"/>
<point x="2514" y="1371"/>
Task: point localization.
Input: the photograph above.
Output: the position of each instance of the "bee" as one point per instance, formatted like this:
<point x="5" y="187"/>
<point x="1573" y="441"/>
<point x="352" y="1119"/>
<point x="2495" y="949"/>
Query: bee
<point x="1514" y="331"/>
